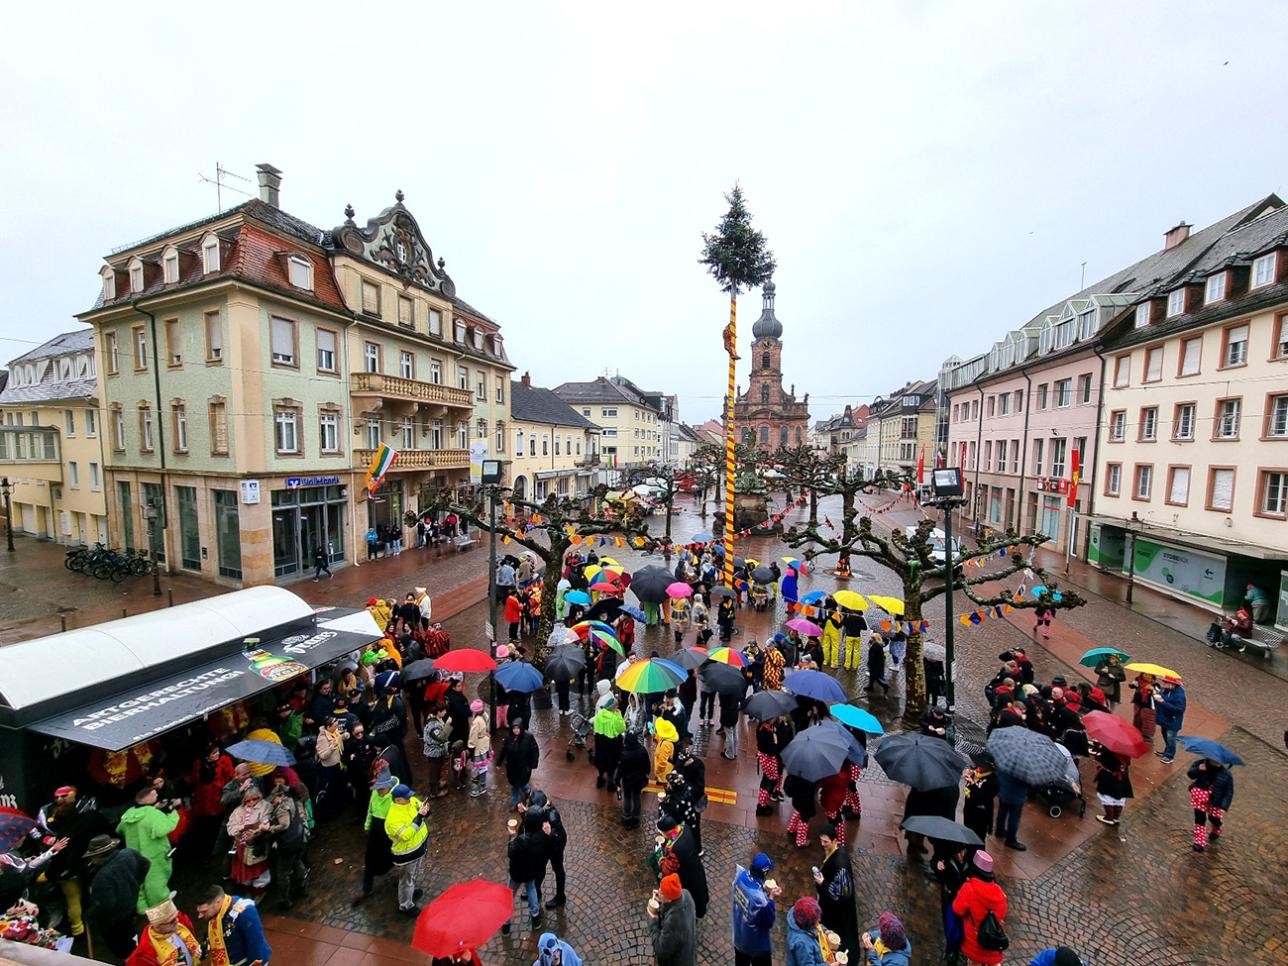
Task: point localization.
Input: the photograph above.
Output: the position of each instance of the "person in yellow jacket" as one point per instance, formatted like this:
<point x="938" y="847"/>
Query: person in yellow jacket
<point x="664" y="753"/>
<point x="407" y="830"/>
<point x="832" y="640"/>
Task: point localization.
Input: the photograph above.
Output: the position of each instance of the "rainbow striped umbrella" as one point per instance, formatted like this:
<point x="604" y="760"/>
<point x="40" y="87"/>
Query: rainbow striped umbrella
<point x="583" y="628"/>
<point x="596" y="636"/>
<point x="650" y="676"/>
<point x="727" y="655"/>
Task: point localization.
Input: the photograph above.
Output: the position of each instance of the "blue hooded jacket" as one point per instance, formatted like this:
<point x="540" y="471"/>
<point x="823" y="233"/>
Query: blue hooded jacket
<point x="548" y="945"/>
<point x="1169" y="711"/>
<point x="754" y="914"/>
<point x="802" y="945"/>
<point x="895" y="957"/>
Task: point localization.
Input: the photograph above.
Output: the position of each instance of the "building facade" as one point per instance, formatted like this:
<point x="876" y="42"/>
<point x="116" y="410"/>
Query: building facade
<point x="630" y="427"/>
<point x="556" y="449"/>
<point x="767" y="414"/>
<point x="51" y="449"/>
<point x="905" y="430"/>
<point x="834" y="435"/>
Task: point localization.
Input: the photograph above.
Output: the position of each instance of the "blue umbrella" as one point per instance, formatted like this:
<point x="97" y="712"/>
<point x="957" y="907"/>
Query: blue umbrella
<point x="701" y="537"/>
<point x="1041" y="589"/>
<point x="813" y="597"/>
<point x="633" y="611"/>
<point x="1207" y="748"/>
<point x="816" y="685"/>
<point x="261" y="752"/>
<point x="519" y="676"/>
<point x="577" y="597"/>
<point x="857" y="718"/>
<point x="1093" y="656"/>
<point x="857" y="753"/>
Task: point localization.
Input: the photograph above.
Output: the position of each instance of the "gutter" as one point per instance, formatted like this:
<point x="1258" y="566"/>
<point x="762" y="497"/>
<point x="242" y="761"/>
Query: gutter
<point x="979" y="449"/>
<point x="1095" y="451"/>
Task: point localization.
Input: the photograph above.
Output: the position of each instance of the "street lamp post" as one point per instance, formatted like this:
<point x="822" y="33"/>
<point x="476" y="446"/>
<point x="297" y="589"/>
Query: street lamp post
<point x="946" y="483"/>
<point x="1129" y="546"/>
<point x="8" y="515"/>
<point x="492" y="481"/>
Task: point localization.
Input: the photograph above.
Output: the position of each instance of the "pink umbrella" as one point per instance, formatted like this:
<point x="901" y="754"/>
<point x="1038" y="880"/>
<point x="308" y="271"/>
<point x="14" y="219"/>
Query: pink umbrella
<point x="802" y="626"/>
<point x="679" y="589"/>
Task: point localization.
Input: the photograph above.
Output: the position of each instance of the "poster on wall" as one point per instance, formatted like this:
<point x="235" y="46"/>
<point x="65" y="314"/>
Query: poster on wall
<point x="1188" y="572"/>
<point x="478" y="453"/>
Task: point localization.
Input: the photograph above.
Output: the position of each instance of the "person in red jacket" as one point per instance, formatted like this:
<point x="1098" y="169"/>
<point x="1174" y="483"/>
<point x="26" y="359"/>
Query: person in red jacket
<point x="978" y="896"/>
<point x="209" y="776"/>
<point x="831" y="796"/>
<point x="513" y="615"/>
<point x="167" y="940"/>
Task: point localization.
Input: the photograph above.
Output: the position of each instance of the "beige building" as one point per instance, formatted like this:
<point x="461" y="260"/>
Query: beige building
<point x="631" y="428"/>
<point x="906" y="428"/>
<point x="555" y="448"/>
<point x="50" y="448"/>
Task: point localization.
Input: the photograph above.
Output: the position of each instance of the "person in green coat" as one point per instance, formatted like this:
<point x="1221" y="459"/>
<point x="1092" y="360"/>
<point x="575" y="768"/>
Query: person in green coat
<point x="146" y="829"/>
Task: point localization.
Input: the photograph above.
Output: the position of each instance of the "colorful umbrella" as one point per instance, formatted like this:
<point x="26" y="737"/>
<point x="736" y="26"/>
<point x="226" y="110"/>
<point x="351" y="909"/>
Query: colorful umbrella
<point x="806" y="627"/>
<point x="519" y="676"/>
<point x="650" y="676"/>
<point x="814" y="597"/>
<point x="794" y="563"/>
<point x="701" y="537"/>
<point x="690" y="657"/>
<point x="1157" y="670"/>
<point x="1097" y="654"/>
<point x="727" y="655"/>
<point x="679" y="589"/>
<point x="891" y="605"/>
<point x="850" y="600"/>
<point x="633" y="611"/>
<point x="591" y="571"/>
<point x="1117" y="734"/>
<point x="764" y="705"/>
<point x="583" y="628"/>
<point x="261" y="752"/>
<point x="608" y="562"/>
<point x="816" y="685"/>
<point x="14" y="826"/>
<point x="1207" y="748"/>
<point x="465" y="659"/>
<point x="606" y="580"/>
<point x="848" y="714"/>
<point x="577" y="597"/>
<point x="463" y="918"/>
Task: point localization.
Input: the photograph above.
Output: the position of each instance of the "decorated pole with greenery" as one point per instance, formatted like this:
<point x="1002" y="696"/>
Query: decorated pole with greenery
<point x="736" y="257"/>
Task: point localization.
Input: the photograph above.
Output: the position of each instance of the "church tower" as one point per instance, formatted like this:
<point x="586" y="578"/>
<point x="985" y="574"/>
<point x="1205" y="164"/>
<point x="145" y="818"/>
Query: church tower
<point x="768" y="414"/>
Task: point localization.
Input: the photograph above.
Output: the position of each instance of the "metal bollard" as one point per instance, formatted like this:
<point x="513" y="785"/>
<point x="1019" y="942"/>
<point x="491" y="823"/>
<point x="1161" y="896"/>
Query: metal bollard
<point x="62" y="619"/>
<point x="170" y="594"/>
<point x="123" y="614"/>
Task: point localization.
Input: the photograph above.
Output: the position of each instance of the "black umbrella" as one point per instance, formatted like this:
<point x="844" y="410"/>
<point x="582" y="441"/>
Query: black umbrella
<point x="1029" y="756"/>
<point x="565" y="662"/>
<point x="762" y="575"/>
<point x="606" y="609"/>
<point x="815" y="753"/>
<point x="920" y="761"/>
<point x="722" y="591"/>
<point x="941" y="829"/>
<point x="418" y="670"/>
<point x="740" y="561"/>
<point x="723" y="678"/>
<point x="649" y="583"/>
<point x="689" y="657"/>
<point x="764" y="705"/>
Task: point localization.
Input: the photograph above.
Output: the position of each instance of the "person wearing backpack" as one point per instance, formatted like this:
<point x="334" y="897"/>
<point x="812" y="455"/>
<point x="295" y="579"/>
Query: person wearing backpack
<point x="981" y="904"/>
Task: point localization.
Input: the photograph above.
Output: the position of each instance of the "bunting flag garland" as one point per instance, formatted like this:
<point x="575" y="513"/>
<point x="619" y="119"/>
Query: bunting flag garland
<point x="993" y="612"/>
<point x="774" y="520"/>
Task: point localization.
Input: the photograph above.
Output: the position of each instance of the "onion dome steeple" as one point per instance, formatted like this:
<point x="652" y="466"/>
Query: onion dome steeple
<point x="767" y="326"/>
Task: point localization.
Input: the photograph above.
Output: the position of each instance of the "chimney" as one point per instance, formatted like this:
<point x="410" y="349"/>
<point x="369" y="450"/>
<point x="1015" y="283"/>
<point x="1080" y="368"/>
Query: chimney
<point x="1174" y="236"/>
<point x="526" y="379"/>
<point x="270" y="183"/>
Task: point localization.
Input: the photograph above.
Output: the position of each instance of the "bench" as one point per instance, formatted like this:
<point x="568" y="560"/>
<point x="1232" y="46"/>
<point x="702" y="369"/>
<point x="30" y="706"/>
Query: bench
<point x="463" y="543"/>
<point x="1265" y="639"/>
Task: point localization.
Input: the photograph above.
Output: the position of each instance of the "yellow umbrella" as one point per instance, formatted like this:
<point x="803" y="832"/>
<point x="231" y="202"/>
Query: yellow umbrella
<point x="1144" y="667"/>
<point x="609" y="561"/>
<point x="850" y="600"/>
<point x="891" y="605"/>
<point x="751" y="564"/>
<point x="591" y="571"/>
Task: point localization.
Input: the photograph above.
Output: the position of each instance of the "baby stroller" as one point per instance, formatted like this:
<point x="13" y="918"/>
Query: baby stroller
<point x="581" y="729"/>
<point x="1062" y="794"/>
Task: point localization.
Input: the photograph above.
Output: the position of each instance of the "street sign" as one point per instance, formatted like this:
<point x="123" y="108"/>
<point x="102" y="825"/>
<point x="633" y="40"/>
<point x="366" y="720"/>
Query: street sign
<point x="295" y="482"/>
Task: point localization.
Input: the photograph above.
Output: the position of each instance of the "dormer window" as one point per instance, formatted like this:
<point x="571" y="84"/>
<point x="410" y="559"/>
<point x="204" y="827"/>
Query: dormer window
<point x="210" y="254"/>
<point x="1142" y="315"/>
<point x="459" y="331"/>
<point x="300" y="272"/>
<point x="170" y="266"/>
<point x="1087" y="324"/>
<point x="1175" y="302"/>
<point x="1214" y="291"/>
<point x="1263" y="270"/>
<point x="1064" y="334"/>
<point x="136" y="275"/>
<point x="478" y="339"/>
<point x="109" y="283"/>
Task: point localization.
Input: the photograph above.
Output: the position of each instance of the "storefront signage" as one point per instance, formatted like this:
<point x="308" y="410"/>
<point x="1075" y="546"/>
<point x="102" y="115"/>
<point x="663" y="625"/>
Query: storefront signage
<point x="295" y="482"/>
<point x="1182" y="571"/>
<point x="250" y="491"/>
<point x="1051" y="485"/>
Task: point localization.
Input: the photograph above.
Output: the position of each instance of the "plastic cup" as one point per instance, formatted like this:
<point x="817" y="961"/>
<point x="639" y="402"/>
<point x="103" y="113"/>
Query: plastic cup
<point x="833" y="939"/>
<point x="653" y="905"/>
<point x="842" y="957"/>
<point x="660" y="839"/>
<point x="770" y="884"/>
<point x="512" y="825"/>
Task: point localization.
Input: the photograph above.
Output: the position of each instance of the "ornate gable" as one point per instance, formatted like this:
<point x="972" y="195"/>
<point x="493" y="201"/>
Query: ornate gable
<point x="394" y="241"/>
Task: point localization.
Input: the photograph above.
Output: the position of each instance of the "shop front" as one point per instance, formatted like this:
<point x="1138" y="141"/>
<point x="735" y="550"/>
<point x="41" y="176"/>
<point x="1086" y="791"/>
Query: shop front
<point x="308" y="514"/>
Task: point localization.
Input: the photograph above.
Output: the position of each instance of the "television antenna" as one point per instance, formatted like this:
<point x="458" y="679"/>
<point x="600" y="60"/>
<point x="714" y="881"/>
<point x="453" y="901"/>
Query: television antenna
<point x="218" y="181"/>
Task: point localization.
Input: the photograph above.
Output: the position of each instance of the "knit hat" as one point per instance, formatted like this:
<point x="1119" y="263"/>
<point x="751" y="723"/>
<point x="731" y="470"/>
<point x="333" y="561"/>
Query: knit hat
<point x="404" y="791"/>
<point x="162" y="913"/>
<point x="476" y="706"/>
<point x="806" y="913"/>
<point x="671" y="889"/>
<point x="891" y="929"/>
<point x="385" y="779"/>
<point x="761" y="863"/>
<point x="983" y="861"/>
<point x="502" y="652"/>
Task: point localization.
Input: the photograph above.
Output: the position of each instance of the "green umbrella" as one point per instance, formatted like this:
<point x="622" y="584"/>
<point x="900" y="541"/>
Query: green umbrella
<point x="1098" y="654"/>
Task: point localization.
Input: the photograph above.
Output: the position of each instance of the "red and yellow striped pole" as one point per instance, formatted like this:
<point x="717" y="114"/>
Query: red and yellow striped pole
<point x="731" y="347"/>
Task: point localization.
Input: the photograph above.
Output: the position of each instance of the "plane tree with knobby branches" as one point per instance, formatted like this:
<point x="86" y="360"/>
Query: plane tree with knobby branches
<point x="810" y="472"/>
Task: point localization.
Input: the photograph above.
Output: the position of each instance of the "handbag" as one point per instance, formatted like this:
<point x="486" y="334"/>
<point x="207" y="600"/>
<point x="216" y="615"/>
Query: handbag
<point x="991" y="935"/>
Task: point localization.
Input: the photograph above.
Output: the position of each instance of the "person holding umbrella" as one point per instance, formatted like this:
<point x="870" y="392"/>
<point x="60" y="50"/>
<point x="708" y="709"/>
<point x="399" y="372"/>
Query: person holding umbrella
<point x="1109" y="678"/>
<point x="928" y="801"/>
<point x="876" y="664"/>
<point x="1211" y="793"/>
<point x="834" y="880"/>
<point x="981" y="793"/>
<point x="1012" y="793"/>
<point x="1113" y="784"/>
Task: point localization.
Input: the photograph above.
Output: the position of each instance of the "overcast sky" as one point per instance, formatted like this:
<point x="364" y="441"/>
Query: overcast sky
<point x="929" y="175"/>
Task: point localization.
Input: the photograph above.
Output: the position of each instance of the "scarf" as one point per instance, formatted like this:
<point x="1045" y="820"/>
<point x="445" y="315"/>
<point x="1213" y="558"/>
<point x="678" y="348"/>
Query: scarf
<point x="167" y="953"/>
<point x="217" y="950"/>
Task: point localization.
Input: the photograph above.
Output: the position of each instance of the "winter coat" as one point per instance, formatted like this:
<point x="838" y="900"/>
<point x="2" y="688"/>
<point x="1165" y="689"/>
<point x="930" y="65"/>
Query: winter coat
<point x="634" y="768"/>
<point x="836" y="899"/>
<point x="520" y="754"/>
<point x="407" y="831"/>
<point x="436" y="737"/>
<point x="1011" y="790"/>
<point x="114" y="890"/>
<point x="146" y="830"/>
<point x="975" y="899"/>
<point x="1220" y="781"/>
<point x="1113" y="780"/>
<point x="892" y="957"/>
<point x="932" y="801"/>
<point x="802" y="945"/>
<point x="754" y="914"/>
<point x="1169" y="708"/>
<point x="692" y="875"/>
<point x="528" y="852"/>
<point x="206" y="790"/>
<point x="1109" y="677"/>
<point x="675" y="932"/>
<point x="458" y="713"/>
<point x="480" y="737"/>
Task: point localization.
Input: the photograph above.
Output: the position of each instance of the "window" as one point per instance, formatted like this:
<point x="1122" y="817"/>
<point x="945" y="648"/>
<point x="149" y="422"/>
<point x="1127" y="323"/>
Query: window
<point x="1214" y="290"/>
<point x="518" y="442"/>
<point x="1178" y="485"/>
<point x="1154" y="364"/>
<point x="406" y="364"/>
<point x="1113" y="479"/>
<point x="462" y="377"/>
<point x="112" y="351"/>
<point x="372" y="426"/>
<point x="1191" y="353"/>
<point x="1037" y="455"/>
<point x="478" y="339"/>
<point x="436" y="434"/>
<point x="73" y="475"/>
<point x="140" y="349"/>
<point x="1122" y="371"/>
<point x="69" y="422"/>
<point x="500" y="436"/>
<point x="480" y="392"/>
<point x="91" y="422"/>
<point x="408" y="429"/>
<point x="214" y="338"/>
<point x="300" y="272"/>
<point x="992" y="405"/>
<point x="179" y="420"/>
<point x="1063" y="393"/>
<point x="1084" y="388"/>
<point x="146" y="441"/>
<point x="1227" y="419"/>
<point x="1003" y="405"/>
<point x="1042" y="396"/>
<point x="95" y="479"/>
<point x="370" y="357"/>
<point x="173" y="344"/>
<point x="136" y="275"/>
<point x="435" y="322"/>
<point x="609" y="431"/>
<point x="500" y="390"/>
<point x="1183" y="421"/>
<point x="435" y="372"/>
<point x="109" y="283"/>
<point x="608" y="412"/>
<point x="118" y="428"/>
<point x="329" y="432"/>
<point x="1001" y="456"/>
<point x="210" y="255"/>
<point x="1236" y="346"/>
<point x="1220" y="495"/>
<point x="406" y="312"/>
<point x="973" y="455"/>
<point x="282" y="341"/>
<point x="1276" y="423"/>
<point x="1059" y="448"/>
<point x="558" y="448"/>
<point x="1175" y="302"/>
<point x="1280" y="345"/>
<point x="988" y="454"/>
<point x="287" y="425"/>
<point x="370" y="298"/>
<point x="458" y="331"/>
<point x="1272" y="494"/>
<point x="217" y="412"/>
<point x="532" y="445"/>
<point x="326" y="350"/>
<point x="170" y="266"/>
<point x="1144" y="481"/>
<point x="1263" y="271"/>
<point x="1142" y="315"/>
<point x="953" y="418"/>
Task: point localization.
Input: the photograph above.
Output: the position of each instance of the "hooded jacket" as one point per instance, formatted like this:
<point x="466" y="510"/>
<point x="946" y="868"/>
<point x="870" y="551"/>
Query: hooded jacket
<point x="520" y="754"/>
<point x="146" y="830"/>
<point x="528" y="851"/>
<point x="892" y="957"/>
<point x="1169" y="708"/>
<point x="407" y="831"/>
<point x="975" y="899"/>
<point x="754" y="914"/>
<point x="675" y="933"/>
<point x="802" y="945"/>
<point x="548" y="945"/>
<point x="114" y="889"/>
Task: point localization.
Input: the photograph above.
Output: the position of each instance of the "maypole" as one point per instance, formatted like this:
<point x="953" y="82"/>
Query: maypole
<point x="731" y="347"/>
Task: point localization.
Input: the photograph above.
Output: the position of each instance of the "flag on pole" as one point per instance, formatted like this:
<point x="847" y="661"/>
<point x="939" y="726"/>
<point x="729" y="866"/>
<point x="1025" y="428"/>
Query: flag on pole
<point x="1074" y="473"/>
<point x="921" y="466"/>
<point x="380" y="464"/>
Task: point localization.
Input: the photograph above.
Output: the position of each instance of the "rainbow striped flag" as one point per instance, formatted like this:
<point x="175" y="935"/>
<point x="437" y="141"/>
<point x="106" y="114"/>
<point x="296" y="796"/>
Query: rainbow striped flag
<point x="380" y="464"/>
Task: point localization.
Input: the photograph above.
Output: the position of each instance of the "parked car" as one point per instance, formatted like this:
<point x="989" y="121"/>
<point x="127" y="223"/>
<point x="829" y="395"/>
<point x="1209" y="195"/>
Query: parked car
<point x="938" y="546"/>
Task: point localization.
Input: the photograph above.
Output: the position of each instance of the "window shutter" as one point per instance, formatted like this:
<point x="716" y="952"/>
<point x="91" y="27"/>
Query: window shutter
<point x="283" y="340"/>
<point x="1222" y="489"/>
<point x="1180" y="485"/>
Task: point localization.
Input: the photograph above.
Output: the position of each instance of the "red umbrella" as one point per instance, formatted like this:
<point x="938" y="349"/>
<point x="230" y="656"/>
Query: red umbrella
<point x="464" y="659"/>
<point x="463" y="918"/>
<point x="1117" y="734"/>
<point x="14" y="826"/>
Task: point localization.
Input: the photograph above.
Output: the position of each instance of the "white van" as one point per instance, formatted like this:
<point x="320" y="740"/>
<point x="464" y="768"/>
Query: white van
<point x="937" y="545"/>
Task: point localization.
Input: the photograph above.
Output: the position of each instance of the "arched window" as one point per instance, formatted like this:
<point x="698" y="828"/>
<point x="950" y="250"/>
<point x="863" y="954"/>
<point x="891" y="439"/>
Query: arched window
<point x="764" y="435"/>
<point x="766" y="361"/>
<point x="782" y="437"/>
<point x="764" y="394"/>
<point x="798" y="435"/>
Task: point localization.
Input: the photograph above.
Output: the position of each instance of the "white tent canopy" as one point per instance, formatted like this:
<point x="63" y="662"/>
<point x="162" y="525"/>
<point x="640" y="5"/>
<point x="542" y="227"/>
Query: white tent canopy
<point x="49" y="667"/>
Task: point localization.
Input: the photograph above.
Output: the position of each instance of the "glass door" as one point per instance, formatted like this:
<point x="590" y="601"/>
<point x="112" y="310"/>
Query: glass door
<point x="1051" y="517"/>
<point x="335" y="530"/>
<point x="312" y="533"/>
<point x="286" y="555"/>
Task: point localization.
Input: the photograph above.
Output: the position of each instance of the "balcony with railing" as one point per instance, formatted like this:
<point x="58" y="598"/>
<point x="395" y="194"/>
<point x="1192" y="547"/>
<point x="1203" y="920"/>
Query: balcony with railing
<point x="36" y="451"/>
<point x="417" y="459"/>
<point x="384" y="386"/>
